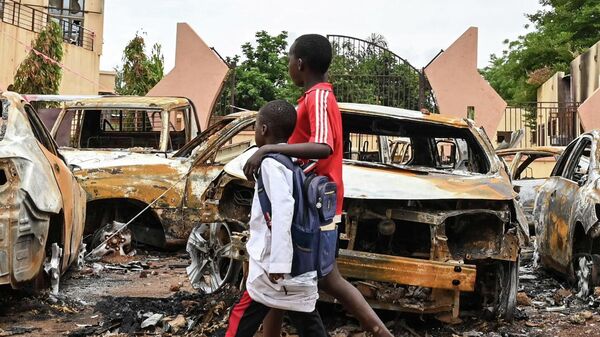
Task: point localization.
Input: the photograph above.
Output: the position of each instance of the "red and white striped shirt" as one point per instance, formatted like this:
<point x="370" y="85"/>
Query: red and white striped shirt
<point x="320" y="121"/>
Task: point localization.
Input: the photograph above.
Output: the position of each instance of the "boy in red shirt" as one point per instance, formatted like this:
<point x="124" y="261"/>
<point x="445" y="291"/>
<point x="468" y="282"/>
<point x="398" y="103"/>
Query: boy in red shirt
<point x="318" y="135"/>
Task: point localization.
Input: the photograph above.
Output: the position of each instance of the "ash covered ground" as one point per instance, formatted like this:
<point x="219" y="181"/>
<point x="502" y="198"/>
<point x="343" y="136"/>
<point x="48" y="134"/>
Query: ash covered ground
<point x="149" y="294"/>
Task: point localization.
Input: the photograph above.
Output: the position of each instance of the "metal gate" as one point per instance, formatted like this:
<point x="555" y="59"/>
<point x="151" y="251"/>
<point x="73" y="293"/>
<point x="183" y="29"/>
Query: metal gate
<point x="361" y="72"/>
<point x="366" y="72"/>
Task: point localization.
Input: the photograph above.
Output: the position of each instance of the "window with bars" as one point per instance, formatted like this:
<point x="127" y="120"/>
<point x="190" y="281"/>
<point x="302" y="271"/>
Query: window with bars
<point x="69" y="14"/>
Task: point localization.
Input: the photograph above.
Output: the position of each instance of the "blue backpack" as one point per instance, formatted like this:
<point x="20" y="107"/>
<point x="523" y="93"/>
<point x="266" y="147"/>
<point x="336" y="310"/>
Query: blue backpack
<point x="315" y="205"/>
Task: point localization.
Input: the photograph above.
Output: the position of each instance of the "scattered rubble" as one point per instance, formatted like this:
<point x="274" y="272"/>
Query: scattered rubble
<point x="523" y="299"/>
<point x="100" y="300"/>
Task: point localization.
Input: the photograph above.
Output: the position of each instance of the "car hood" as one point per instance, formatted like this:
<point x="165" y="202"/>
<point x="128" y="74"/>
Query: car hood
<point x="372" y="181"/>
<point x="93" y="159"/>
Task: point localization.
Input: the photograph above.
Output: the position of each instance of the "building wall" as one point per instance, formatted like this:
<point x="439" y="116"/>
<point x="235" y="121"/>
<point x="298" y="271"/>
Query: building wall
<point x="555" y="89"/>
<point x="585" y="74"/>
<point x="81" y="73"/>
<point x="107" y="81"/>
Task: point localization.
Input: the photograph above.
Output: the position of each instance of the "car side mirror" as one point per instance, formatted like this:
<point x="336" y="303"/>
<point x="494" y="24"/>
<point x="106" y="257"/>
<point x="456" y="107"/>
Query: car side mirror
<point x="582" y="180"/>
<point x="74" y="167"/>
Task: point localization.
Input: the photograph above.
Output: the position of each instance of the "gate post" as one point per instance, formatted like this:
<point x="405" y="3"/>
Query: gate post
<point x="422" y="88"/>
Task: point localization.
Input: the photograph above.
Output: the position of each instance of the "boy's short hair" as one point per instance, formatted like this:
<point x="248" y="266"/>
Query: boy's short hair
<point x="280" y="117"/>
<point x="314" y="50"/>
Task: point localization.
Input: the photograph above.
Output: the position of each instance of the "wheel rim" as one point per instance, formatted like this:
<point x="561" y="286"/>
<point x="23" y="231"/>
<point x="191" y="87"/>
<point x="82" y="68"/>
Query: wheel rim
<point x="209" y="246"/>
<point x="583" y="271"/>
<point x="109" y="241"/>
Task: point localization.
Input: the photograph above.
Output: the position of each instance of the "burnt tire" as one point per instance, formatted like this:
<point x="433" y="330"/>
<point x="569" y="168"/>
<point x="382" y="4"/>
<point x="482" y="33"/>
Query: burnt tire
<point x="40" y="282"/>
<point x="584" y="269"/>
<point x="509" y="286"/>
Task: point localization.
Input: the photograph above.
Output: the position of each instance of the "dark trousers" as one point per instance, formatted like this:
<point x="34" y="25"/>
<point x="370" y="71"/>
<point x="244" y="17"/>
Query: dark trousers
<point x="247" y="315"/>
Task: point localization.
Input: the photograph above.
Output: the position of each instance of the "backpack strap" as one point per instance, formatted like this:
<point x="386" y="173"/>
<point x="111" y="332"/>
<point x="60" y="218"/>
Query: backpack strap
<point x="263" y="198"/>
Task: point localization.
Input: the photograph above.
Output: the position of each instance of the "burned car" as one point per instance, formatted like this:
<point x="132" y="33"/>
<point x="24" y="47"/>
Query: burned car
<point x="430" y="217"/>
<point x="567" y="214"/>
<point x="529" y="168"/>
<point x="43" y="207"/>
<point x="422" y="232"/>
<point x="144" y="124"/>
<point x="121" y="184"/>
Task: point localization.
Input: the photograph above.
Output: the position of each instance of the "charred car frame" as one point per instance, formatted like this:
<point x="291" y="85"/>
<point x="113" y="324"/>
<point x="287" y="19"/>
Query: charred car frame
<point x="43" y="207"/>
<point x="430" y="229"/>
<point x="567" y="214"/>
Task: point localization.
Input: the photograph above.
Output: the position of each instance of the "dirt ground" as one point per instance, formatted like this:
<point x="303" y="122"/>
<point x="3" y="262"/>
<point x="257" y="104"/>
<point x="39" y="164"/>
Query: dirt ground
<point x="115" y="296"/>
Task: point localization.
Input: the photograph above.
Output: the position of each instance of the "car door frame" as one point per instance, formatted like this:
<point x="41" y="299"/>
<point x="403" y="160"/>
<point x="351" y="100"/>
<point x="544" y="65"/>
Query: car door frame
<point x="204" y="172"/>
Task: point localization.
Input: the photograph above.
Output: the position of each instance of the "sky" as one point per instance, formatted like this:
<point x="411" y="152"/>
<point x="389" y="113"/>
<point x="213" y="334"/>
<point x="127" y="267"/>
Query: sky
<point x="415" y="30"/>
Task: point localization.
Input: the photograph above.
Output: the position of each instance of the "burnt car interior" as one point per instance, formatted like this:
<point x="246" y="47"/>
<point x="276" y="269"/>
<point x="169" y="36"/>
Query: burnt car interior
<point x="525" y="170"/>
<point x="414" y="145"/>
<point x="120" y="128"/>
<point x="575" y="169"/>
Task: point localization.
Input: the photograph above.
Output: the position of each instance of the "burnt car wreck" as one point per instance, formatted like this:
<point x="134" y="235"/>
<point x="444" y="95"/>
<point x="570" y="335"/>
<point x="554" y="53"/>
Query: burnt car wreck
<point x="427" y="229"/>
<point x="42" y="206"/>
<point x="431" y="223"/>
<point x="529" y="168"/>
<point x="567" y="213"/>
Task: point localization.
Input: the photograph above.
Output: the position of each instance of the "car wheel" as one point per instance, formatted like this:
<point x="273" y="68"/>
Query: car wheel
<point x="507" y="288"/>
<point x="585" y="270"/>
<point x="212" y="265"/>
<point x="112" y="240"/>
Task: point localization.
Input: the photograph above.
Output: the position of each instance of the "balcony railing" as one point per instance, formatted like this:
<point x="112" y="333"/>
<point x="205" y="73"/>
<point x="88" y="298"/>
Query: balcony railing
<point x="543" y="123"/>
<point x="34" y="20"/>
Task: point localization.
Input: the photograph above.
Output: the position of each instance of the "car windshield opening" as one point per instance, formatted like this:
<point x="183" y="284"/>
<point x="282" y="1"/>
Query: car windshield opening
<point x="414" y="145"/>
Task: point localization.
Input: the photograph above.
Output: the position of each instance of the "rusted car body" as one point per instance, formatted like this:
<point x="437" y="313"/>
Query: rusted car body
<point x="529" y="168"/>
<point x="430" y="217"/>
<point x="145" y="124"/>
<point x="421" y="231"/>
<point x="567" y="214"/>
<point x="43" y="207"/>
<point x="119" y="184"/>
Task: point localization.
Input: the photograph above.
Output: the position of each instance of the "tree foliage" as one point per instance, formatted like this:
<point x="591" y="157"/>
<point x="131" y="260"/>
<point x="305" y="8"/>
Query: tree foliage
<point x="140" y="72"/>
<point x="563" y="29"/>
<point x="373" y="75"/>
<point x="262" y="74"/>
<point x="37" y="75"/>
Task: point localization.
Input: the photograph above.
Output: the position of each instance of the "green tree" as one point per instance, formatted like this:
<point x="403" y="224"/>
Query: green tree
<point x="36" y="74"/>
<point x="563" y="29"/>
<point x="140" y="72"/>
<point x="262" y="74"/>
<point x="373" y="75"/>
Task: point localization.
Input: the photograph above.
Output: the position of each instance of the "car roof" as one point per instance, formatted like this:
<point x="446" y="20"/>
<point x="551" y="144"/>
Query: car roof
<point x="164" y="103"/>
<point x="386" y="111"/>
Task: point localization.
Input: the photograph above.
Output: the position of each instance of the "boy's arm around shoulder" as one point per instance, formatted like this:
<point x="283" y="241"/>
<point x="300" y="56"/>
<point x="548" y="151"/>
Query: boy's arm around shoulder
<point x="279" y="191"/>
<point x="301" y="150"/>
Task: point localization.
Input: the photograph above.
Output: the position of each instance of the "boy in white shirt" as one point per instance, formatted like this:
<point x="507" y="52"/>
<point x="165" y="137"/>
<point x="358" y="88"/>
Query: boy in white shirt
<point x="270" y="249"/>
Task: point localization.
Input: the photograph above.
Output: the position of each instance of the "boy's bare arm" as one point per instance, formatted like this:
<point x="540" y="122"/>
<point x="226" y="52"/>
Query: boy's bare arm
<point x="301" y="150"/>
